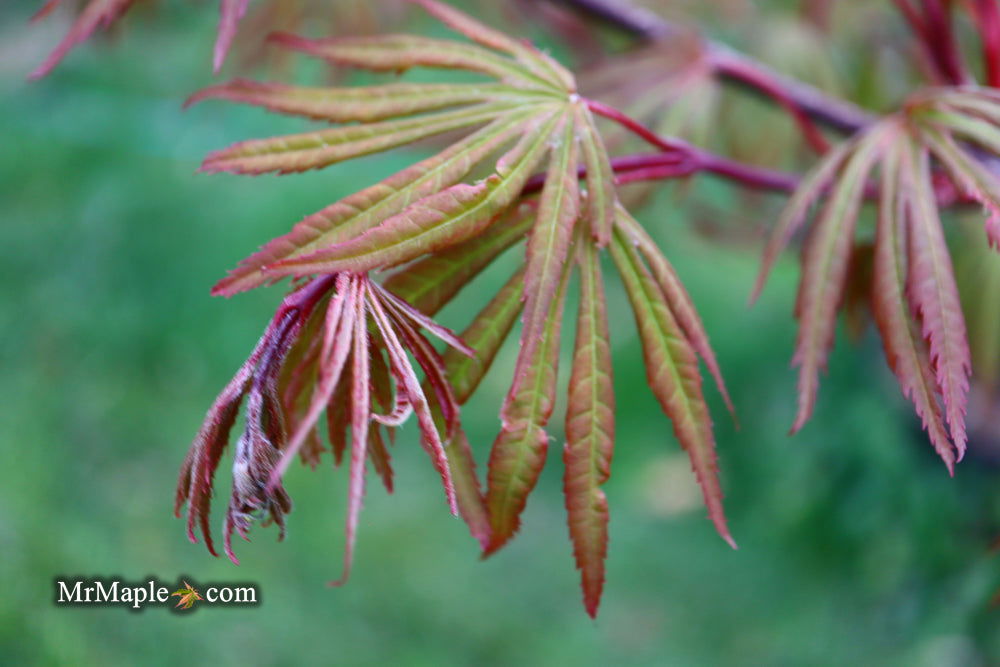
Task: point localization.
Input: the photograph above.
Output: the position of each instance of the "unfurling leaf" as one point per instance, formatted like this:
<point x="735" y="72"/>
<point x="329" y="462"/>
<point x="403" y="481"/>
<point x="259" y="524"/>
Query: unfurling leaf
<point x="359" y="326"/>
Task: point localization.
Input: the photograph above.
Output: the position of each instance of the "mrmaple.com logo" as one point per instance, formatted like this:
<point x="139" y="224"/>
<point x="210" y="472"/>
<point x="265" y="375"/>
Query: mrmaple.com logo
<point x="100" y="592"/>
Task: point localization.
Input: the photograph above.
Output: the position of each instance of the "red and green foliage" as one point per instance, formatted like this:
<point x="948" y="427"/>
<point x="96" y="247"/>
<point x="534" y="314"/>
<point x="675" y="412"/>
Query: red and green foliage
<point x="525" y="165"/>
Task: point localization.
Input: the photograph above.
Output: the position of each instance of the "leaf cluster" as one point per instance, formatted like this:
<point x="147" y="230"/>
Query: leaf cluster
<point x="941" y="136"/>
<point x="427" y="231"/>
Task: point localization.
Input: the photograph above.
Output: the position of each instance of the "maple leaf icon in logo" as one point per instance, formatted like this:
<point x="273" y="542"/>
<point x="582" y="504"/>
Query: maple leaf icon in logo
<point x="188" y="596"/>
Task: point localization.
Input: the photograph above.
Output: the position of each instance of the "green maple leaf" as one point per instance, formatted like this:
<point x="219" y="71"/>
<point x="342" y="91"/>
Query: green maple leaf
<point x="188" y="596"/>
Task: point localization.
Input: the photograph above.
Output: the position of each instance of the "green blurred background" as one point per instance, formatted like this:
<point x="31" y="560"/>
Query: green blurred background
<point x="856" y="546"/>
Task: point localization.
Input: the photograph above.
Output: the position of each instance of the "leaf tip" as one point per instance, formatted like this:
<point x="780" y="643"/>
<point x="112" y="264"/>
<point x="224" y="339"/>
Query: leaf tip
<point x="802" y="416"/>
<point x="729" y="540"/>
<point x="758" y="287"/>
<point x="219" y="55"/>
<point x="223" y="288"/>
<point x="492" y="545"/>
<point x="198" y="96"/>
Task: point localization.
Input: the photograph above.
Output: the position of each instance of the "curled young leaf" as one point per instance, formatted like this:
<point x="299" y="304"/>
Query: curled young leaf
<point x="345" y="361"/>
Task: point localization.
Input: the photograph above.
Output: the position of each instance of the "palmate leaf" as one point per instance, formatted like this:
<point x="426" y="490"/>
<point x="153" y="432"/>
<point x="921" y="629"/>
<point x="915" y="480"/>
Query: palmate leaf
<point x="545" y="177"/>
<point x="520" y="450"/>
<point x="914" y="294"/>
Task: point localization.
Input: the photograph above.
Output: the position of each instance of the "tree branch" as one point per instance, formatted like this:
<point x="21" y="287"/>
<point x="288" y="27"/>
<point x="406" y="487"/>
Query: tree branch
<point x="734" y="67"/>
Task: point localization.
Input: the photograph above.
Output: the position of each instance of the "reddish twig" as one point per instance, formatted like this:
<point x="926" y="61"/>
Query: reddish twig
<point x="637" y="128"/>
<point x="655" y="173"/>
<point x="684" y="159"/>
<point x="676" y="159"/>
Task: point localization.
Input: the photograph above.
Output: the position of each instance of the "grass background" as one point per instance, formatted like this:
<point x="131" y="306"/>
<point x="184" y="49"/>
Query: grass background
<point x="856" y="547"/>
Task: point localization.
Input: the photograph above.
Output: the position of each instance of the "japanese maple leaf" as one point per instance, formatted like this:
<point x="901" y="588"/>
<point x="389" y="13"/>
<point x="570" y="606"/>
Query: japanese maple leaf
<point x="188" y="596"/>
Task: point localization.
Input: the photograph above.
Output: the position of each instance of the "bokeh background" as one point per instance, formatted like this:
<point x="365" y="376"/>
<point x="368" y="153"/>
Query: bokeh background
<point x="855" y="545"/>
